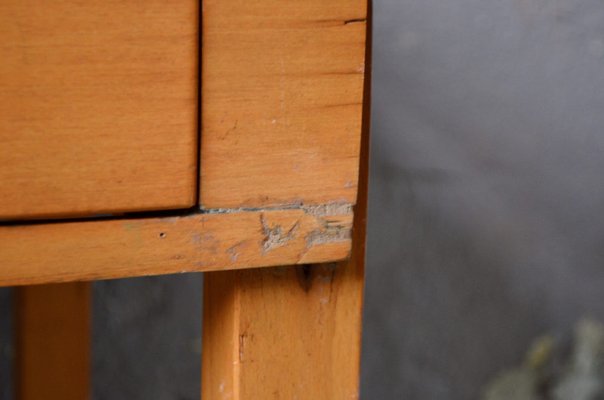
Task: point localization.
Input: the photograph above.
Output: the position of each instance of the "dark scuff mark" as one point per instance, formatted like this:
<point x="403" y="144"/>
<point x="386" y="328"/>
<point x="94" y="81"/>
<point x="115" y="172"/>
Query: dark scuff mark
<point x="304" y="274"/>
<point x="242" y="339"/>
<point x="355" y="21"/>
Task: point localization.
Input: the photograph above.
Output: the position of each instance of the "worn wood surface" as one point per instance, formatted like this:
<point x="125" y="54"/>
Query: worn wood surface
<point x="98" y="106"/>
<point x="289" y="332"/>
<point x="281" y="101"/>
<point x="87" y="250"/>
<point x="53" y="342"/>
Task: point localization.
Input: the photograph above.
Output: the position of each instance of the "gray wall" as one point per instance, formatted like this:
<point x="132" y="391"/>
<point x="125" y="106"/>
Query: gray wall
<point x="147" y="338"/>
<point x="487" y="196"/>
<point x="486" y="223"/>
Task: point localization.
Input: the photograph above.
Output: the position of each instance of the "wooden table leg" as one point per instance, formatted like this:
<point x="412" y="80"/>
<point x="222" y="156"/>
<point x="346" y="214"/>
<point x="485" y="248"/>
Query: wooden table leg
<point x="53" y="342"/>
<point x="282" y="333"/>
<point x="289" y="332"/>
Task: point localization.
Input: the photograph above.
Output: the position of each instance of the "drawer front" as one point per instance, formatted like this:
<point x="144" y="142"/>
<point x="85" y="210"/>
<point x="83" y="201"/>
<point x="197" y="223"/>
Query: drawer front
<point x="106" y="115"/>
<point x="98" y="106"/>
<point x="282" y="101"/>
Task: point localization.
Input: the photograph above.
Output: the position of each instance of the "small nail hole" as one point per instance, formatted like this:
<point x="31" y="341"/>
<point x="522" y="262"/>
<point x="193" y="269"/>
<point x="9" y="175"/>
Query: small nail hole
<point x="162" y="235"/>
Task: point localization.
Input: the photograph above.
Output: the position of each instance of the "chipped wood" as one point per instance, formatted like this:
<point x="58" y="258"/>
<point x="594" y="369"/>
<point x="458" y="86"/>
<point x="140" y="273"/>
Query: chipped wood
<point x="291" y="332"/>
<point x="87" y="250"/>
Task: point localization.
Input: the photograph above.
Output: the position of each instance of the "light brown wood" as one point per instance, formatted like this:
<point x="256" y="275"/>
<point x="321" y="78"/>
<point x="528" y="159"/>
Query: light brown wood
<point x="98" y="106"/>
<point x="282" y="333"/>
<point x="290" y="332"/>
<point x="87" y="250"/>
<point x="53" y="342"/>
<point x="285" y="332"/>
<point x="281" y="101"/>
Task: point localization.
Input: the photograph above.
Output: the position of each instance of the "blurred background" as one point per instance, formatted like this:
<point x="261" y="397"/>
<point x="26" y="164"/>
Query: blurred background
<point x="486" y="222"/>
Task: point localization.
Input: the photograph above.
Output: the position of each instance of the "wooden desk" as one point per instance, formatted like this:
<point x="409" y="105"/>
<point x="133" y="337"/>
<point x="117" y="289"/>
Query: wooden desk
<point x="146" y="138"/>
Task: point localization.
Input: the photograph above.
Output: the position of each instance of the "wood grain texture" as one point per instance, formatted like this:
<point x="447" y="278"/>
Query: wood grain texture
<point x="53" y="342"/>
<point x="290" y="332"/>
<point x="58" y="252"/>
<point x="286" y="332"/>
<point x="98" y="106"/>
<point x="281" y="101"/>
<point x="282" y="333"/>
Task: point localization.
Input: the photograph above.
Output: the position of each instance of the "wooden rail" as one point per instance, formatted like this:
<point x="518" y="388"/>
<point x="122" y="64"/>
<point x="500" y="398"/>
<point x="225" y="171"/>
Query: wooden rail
<point x="114" y="248"/>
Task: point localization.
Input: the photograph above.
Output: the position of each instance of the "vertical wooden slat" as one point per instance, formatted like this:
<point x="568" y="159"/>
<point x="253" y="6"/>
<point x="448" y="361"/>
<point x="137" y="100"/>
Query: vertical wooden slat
<point x="53" y="342"/>
<point x="289" y="332"/>
<point x="286" y="332"/>
<point x="281" y="101"/>
<point x="219" y="369"/>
